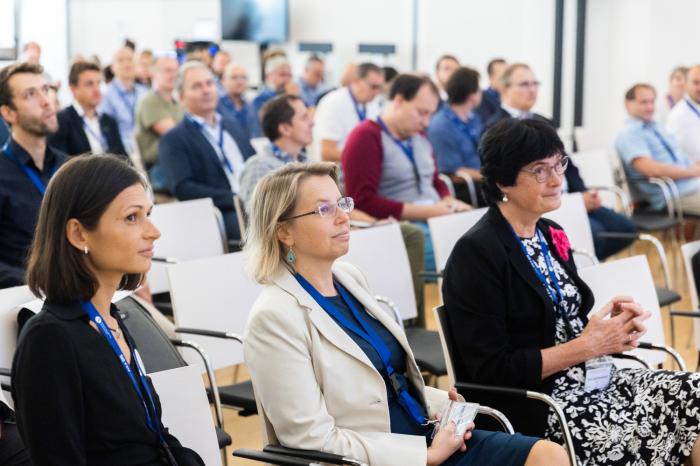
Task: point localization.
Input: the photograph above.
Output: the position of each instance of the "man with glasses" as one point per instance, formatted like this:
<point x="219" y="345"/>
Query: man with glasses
<point x="233" y="105"/>
<point x="278" y="79"/>
<point x="519" y="95"/>
<point x="344" y="108"/>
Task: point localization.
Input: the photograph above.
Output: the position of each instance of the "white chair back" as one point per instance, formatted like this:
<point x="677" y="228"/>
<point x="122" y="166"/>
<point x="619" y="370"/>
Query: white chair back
<point x="189" y="230"/>
<point x="186" y="411"/>
<point x="629" y="277"/>
<point x="446" y="231"/>
<point x="380" y="254"/>
<point x="11" y="300"/>
<point x="689" y="250"/>
<point x="213" y="293"/>
<point x="596" y="168"/>
<point x="573" y="218"/>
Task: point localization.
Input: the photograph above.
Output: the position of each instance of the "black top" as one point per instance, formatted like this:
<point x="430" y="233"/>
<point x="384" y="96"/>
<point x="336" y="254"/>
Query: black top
<point x="401" y="421"/>
<point x="72" y="139"/>
<point x="501" y="316"/>
<point x="19" y="209"/>
<point x="74" y="402"/>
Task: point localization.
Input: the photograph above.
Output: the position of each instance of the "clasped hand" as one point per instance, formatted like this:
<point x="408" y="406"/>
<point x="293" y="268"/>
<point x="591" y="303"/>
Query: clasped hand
<point x="618" y="333"/>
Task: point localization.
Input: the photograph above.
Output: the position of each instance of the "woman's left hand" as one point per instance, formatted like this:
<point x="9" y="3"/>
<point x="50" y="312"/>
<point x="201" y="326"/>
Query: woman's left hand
<point x="454" y="396"/>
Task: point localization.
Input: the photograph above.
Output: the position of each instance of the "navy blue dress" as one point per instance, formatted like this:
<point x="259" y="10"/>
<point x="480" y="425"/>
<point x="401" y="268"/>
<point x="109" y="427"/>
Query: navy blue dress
<point x="484" y="448"/>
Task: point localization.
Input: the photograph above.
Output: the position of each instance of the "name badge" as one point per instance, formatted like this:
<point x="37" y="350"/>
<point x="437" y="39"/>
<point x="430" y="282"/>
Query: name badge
<point x="598" y="373"/>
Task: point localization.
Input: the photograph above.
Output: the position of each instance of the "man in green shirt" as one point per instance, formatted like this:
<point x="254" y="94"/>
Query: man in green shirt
<point x="157" y="113"/>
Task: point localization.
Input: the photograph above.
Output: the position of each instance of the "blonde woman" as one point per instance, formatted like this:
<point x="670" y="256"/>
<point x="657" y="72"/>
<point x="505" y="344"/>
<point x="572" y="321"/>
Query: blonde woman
<point x="321" y="350"/>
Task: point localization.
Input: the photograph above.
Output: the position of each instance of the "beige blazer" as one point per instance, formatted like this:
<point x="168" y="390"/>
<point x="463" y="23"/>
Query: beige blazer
<point x="316" y="387"/>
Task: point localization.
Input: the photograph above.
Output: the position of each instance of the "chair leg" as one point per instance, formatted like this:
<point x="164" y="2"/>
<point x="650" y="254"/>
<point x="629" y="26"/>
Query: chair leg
<point x="673" y="327"/>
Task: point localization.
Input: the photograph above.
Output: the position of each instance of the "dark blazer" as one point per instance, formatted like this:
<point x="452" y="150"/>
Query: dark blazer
<point x="74" y="402"/>
<point x="490" y="104"/>
<point x="573" y="178"/>
<point x="72" y="139"/>
<point x="4" y="132"/>
<point x="192" y="168"/>
<point x="501" y="316"/>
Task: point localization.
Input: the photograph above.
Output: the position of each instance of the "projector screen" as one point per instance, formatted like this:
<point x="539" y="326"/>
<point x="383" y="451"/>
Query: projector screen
<point x="262" y="21"/>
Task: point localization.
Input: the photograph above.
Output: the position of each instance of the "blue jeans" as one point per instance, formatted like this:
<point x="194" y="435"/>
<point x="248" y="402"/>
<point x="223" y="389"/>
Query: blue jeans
<point x="427" y="248"/>
<point x="606" y="220"/>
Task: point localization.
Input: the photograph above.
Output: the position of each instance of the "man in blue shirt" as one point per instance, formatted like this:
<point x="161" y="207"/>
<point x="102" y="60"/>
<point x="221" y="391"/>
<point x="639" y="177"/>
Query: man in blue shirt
<point x="311" y="83"/>
<point x="455" y="130"/>
<point x="122" y="95"/>
<point x="278" y="76"/>
<point x="647" y="151"/>
<point x="491" y="101"/>
<point x="26" y="163"/>
<point x="233" y="105"/>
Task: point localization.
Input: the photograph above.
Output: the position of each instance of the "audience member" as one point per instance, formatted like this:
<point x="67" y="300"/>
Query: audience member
<point x="456" y="129"/>
<point x="144" y="62"/>
<point x="648" y="151"/>
<point x="278" y="79"/>
<point x="203" y="155"/>
<point x="676" y="86"/>
<point x="199" y="51"/>
<point x="491" y="101"/>
<point x="342" y="109"/>
<point x="683" y="123"/>
<point x="286" y="124"/>
<point x="156" y="114"/>
<point x="122" y="95"/>
<point x="31" y="53"/>
<point x="311" y="82"/>
<point x="388" y="162"/>
<point x="221" y="60"/>
<point x="519" y="95"/>
<point x="317" y="319"/>
<point x="518" y="313"/>
<point x="233" y="104"/>
<point x="93" y="237"/>
<point x="81" y="129"/>
<point x="444" y="67"/>
<point x="27" y="163"/>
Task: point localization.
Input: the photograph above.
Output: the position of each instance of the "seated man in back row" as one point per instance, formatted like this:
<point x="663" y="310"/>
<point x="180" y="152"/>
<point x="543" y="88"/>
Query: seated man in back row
<point x="203" y="155"/>
<point x="519" y="94"/>
<point x="648" y="151"/>
<point x="388" y="163"/>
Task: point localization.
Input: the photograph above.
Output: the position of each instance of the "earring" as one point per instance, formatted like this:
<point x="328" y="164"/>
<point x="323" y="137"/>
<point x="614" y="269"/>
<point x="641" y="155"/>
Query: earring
<point x="504" y="198"/>
<point x="85" y="250"/>
<point x="291" y="257"/>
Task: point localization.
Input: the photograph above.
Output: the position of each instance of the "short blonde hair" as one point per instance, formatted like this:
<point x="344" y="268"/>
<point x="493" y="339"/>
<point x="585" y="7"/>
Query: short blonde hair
<point x="274" y="198"/>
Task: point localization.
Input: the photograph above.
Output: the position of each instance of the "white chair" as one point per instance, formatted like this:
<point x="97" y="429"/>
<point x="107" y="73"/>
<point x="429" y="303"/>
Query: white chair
<point x="186" y="411"/>
<point x="211" y="300"/>
<point x="689" y="250"/>
<point x="631" y="276"/>
<point x="446" y="231"/>
<point x="597" y="170"/>
<point x="189" y="230"/>
<point x="573" y="218"/>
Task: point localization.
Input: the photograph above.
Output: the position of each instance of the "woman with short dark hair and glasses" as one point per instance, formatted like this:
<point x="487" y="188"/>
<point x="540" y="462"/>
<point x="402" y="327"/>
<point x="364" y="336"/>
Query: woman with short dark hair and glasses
<point x="332" y="370"/>
<point x="518" y="314"/>
<point x="80" y="388"/>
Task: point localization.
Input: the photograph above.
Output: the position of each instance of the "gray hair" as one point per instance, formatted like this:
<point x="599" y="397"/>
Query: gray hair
<point x="182" y="72"/>
<point x="507" y="75"/>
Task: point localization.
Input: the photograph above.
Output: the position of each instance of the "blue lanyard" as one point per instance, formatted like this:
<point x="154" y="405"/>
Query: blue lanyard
<point x="100" y="137"/>
<point x="95" y="317"/>
<point x="240" y="115"/>
<point x="665" y="143"/>
<point x="130" y="104"/>
<point x="463" y="126"/>
<point x="33" y="176"/>
<point x="220" y="143"/>
<point x="555" y="294"/>
<point x="285" y="157"/>
<point x="407" y="149"/>
<point x="366" y="333"/>
<point x="692" y="107"/>
<point x="360" y="109"/>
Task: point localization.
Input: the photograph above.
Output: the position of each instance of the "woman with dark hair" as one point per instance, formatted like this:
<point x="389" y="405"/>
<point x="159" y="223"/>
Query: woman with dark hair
<point x="79" y="386"/>
<point x="518" y="308"/>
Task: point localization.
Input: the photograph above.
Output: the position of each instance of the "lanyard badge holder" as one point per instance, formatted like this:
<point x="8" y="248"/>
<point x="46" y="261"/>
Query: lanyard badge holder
<point x="459" y="412"/>
<point x="151" y="414"/>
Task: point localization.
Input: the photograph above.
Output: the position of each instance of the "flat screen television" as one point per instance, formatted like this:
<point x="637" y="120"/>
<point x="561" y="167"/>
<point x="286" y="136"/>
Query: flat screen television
<point x="261" y="21"/>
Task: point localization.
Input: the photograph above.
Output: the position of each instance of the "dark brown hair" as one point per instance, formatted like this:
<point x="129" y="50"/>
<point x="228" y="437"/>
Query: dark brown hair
<point x="78" y="68"/>
<point x="407" y="85"/>
<point x="463" y="83"/>
<point x="7" y="73"/>
<point x="276" y="111"/>
<point x="82" y="189"/>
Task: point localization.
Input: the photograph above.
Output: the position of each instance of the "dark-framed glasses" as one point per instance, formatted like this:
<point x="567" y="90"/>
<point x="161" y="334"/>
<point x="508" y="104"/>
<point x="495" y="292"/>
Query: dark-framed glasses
<point x="542" y="172"/>
<point x="328" y="209"/>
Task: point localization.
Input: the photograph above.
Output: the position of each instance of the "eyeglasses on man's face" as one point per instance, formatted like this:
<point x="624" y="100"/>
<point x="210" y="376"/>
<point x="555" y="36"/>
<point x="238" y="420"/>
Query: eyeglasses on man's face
<point x="527" y="84"/>
<point x="327" y="209"/>
<point x="542" y="172"/>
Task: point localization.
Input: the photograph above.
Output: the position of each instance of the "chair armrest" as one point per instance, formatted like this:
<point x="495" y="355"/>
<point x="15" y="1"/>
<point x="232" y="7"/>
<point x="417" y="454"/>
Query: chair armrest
<point x="589" y="255"/>
<point x="471" y="187"/>
<point x="210" y="333"/>
<point x="234" y="245"/>
<point x="671" y="204"/>
<point x="448" y="182"/>
<point x="498" y="416"/>
<point x="685" y="313"/>
<point x="621" y="194"/>
<point x="272" y="458"/>
<point x="425" y="274"/>
<point x="316" y="456"/>
<point x="654" y="242"/>
<point x="668" y="350"/>
<point x="392" y="307"/>
<point x="631" y="357"/>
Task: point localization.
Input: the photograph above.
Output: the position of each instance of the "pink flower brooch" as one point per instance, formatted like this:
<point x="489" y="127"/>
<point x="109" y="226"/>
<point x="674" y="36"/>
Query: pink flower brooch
<point x="561" y="242"/>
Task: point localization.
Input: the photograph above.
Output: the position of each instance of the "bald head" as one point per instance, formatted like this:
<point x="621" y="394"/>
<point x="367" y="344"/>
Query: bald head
<point x="234" y="80"/>
<point x="123" y="65"/>
<point x="692" y="84"/>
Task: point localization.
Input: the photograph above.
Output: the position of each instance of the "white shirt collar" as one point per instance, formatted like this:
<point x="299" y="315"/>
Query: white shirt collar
<point x="81" y="111"/>
<point x="203" y="122"/>
<point x="514" y="112"/>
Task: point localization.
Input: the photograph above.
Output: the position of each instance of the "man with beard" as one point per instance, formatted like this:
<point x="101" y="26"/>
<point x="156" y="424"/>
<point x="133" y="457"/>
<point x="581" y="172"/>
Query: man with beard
<point x="26" y="163"/>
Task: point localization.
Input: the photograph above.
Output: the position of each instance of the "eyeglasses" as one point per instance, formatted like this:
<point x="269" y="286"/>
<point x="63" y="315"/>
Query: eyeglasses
<point x="543" y="172"/>
<point x="526" y="84"/>
<point x="324" y="209"/>
<point x="374" y="87"/>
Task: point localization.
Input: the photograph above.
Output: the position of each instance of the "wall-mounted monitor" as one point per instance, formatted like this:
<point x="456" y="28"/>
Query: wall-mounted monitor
<point x="261" y="21"/>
